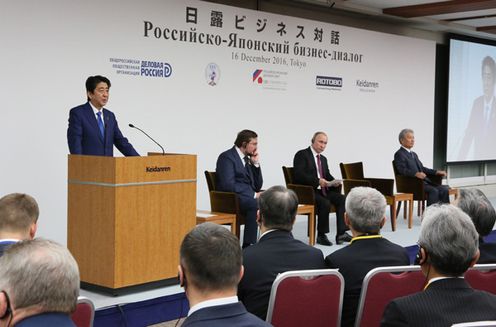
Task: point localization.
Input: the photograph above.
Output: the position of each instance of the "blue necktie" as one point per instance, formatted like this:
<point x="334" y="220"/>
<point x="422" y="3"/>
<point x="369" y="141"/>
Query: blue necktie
<point x="100" y="123"/>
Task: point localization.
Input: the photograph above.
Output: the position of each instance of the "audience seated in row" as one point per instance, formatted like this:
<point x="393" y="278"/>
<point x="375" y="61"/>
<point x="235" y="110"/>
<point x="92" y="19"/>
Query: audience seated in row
<point x="475" y="204"/>
<point x="210" y="269"/>
<point x="448" y="246"/>
<point x="365" y="216"/>
<point x="276" y="251"/>
<point x="39" y="284"/>
<point x="18" y="219"/>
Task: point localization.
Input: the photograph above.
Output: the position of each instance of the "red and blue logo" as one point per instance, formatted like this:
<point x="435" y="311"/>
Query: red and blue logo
<point x="257" y="76"/>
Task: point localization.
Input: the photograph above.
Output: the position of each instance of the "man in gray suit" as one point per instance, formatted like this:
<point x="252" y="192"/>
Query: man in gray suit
<point x="448" y="247"/>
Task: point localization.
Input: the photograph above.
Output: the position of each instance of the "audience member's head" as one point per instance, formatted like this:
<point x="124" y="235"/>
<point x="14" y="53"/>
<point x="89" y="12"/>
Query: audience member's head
<point x="37" y="276"/>
<point x="365" y="210"/>
<point x="475" y="204"/>
<point x="448" y="241"/>
<point x="278" y="207"/>
<point x="210" y="262"/>
<point x="18" y="216"/>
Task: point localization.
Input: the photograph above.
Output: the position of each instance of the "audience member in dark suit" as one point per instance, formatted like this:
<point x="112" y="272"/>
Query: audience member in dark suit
<point x="276" y="251"/>
<point x="39" y="285"/>
<point x="365" y="215"/>
<point x="238" y="170"/>
<point x="93" y="130"/>
<point x="448" y="244"/>
<point x="481" y="128"/>
<point x="210" y="269"/>
<point x="407" y="163"/>
<point x="475" y="204"/>
<point x="18" y="219"/>
<point x="311" y="168"/>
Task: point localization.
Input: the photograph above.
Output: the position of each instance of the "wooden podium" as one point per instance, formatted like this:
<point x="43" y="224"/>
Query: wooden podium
<point x="128" y="216"/>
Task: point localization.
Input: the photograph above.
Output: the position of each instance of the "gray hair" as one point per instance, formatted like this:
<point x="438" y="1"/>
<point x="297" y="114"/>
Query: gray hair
<point x="365" y="208"/>
<point x="449" y="237"/>
<point x="475" y="204"/>
<point x="278" y="207"/>
<point x="40" y="273"/>
<point x="403" y="133"/>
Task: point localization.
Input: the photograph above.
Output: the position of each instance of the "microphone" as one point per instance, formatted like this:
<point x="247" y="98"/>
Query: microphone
<point x="142" y="131"/>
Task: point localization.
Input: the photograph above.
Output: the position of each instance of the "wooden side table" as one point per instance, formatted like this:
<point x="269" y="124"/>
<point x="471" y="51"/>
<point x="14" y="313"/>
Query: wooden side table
<point x="221" y="218"/>
<point x="395" y="198"/>
<point x="308" y="210"/>
<point x="454" y="192"/>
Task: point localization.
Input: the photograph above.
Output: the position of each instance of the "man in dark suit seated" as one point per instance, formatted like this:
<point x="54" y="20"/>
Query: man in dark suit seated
<point x="18" y="219"/>
<point x="276" y="251"/>
<point x="93" y="130"/>
<point x="39" y="285"/>
<point x="407" y="163"/>
<point x="448" y="246"/>
<point x="210" y="269"/>
<point x="475" y="204"/>
<point x="311" y="168"/>
<point x="238" y="170"/>
<point x="365" y="215"/>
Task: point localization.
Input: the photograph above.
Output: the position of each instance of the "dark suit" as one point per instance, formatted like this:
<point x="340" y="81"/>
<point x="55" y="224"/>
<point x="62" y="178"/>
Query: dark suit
<point x="305" y="172"/>
<point x="233" y="176"/>
<point x="487" y="252"/>
<point x="84" y="137"/>
<point x="479" y="133"/>
<point x="226" y="315"/>
<point x="408" y="164"/>
<point x="49" y="319"/>
<point x="355" y="261"/>
<point x="275" y="253"/>
<point x="4" y="245"/>
<point x="443" y="303"/>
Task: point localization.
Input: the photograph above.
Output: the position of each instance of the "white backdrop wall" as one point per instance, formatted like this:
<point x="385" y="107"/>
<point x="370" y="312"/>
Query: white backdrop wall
<point x="49" y="48"/>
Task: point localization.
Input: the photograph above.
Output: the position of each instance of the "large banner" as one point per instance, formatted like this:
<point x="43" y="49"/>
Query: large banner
<point x="192" y="74"/>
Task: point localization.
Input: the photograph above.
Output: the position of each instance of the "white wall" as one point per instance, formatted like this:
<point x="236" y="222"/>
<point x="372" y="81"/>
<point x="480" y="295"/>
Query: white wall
<point x="50" y="47"/>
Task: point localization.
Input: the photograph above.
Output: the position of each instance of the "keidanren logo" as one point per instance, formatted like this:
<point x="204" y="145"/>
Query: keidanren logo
<point x="367" y="86"/>
<point x="157" y="169"/>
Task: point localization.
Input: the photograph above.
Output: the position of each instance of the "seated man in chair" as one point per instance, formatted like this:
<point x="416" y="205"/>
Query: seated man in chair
<point x="407" y="163"/>
<point x="238" y="170"/>
<point x="311" y="168"/>
<point x="448" y="247"/>
<point x="365" y="215"/>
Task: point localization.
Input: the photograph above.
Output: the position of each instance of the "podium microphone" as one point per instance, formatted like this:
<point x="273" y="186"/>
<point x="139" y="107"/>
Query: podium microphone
<point x="142" y="131"/>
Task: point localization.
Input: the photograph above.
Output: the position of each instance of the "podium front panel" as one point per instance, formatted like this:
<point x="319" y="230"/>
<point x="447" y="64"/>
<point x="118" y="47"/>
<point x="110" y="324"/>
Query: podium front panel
<point x="126" y="222"/>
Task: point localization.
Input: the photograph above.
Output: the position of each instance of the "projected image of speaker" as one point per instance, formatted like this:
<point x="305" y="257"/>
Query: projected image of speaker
<point x="471" y="103"/>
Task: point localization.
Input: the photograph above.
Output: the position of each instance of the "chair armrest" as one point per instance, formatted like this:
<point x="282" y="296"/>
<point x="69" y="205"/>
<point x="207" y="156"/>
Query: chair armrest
<point x="351" y="183"/>
<point x="383" y="185"/>
<point x="224" y="202"/>
<point x="408" y="184"/>
<point x="305" y="193"/>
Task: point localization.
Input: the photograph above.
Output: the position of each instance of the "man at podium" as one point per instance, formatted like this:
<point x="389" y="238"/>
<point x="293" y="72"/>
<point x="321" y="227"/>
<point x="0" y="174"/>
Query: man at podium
<point x="93" y="130"/>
